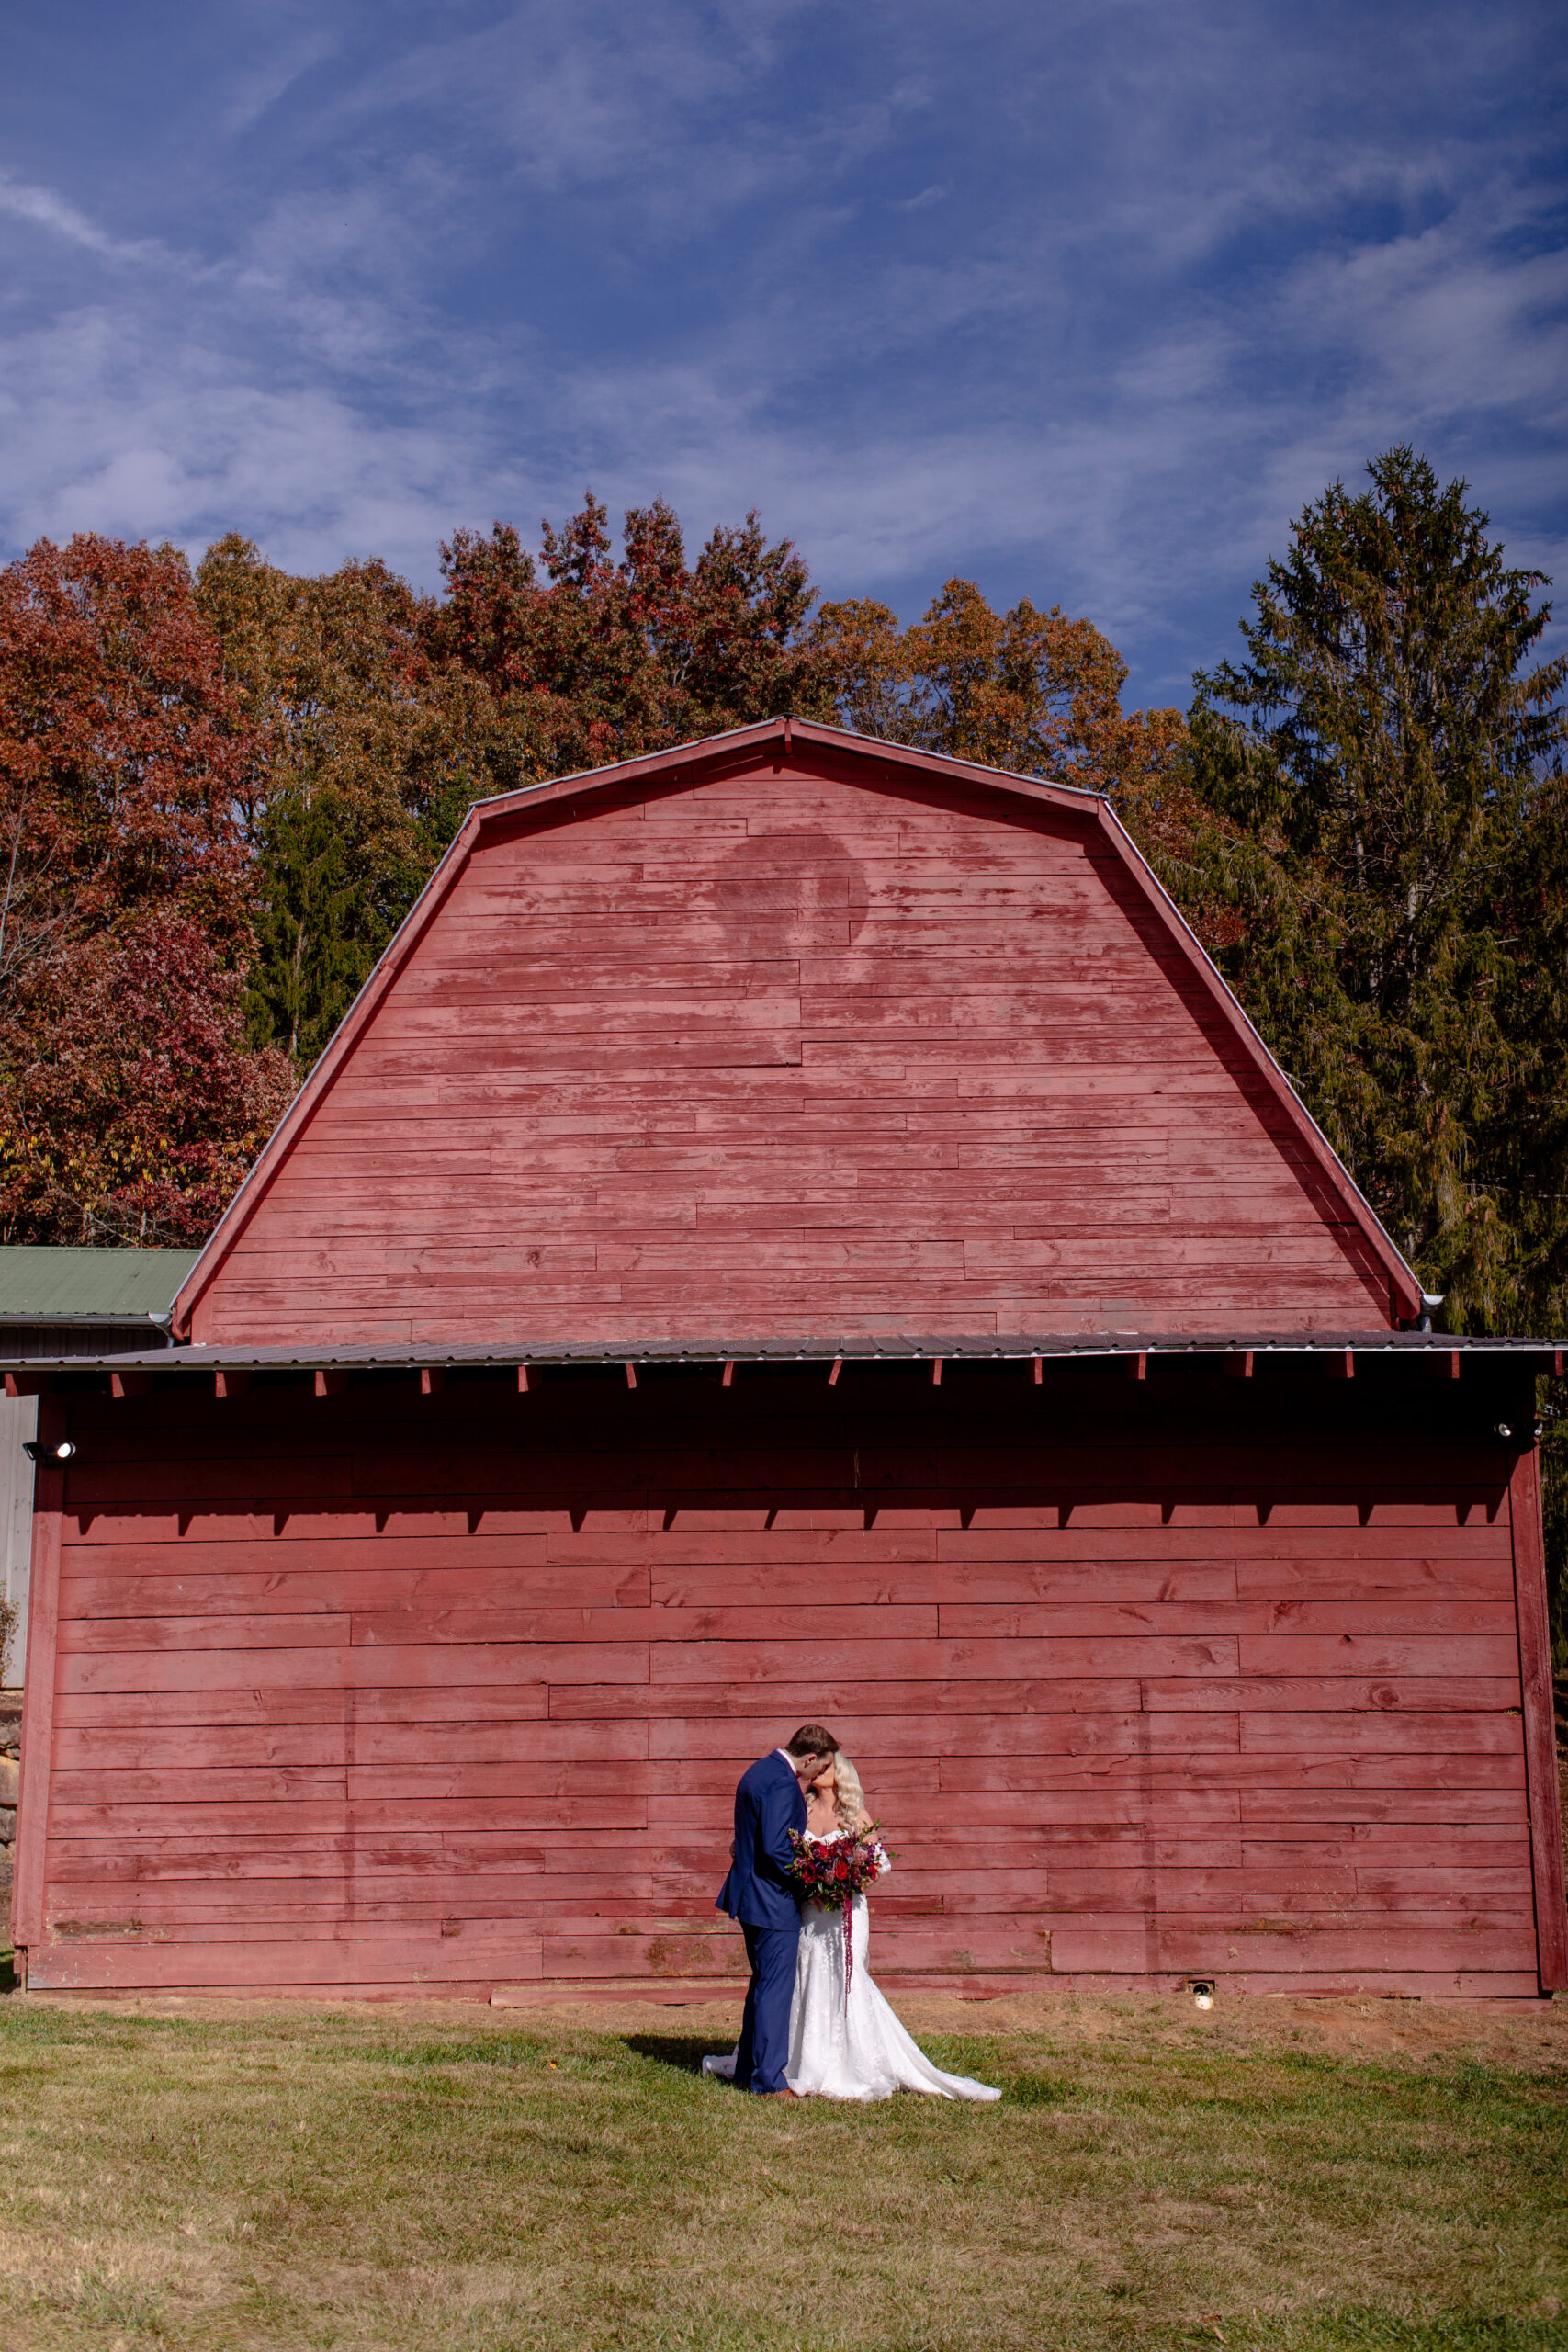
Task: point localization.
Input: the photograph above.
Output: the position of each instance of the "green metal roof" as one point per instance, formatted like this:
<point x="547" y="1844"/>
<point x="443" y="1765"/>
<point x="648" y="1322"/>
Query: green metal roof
<point x="90" y="1286"/>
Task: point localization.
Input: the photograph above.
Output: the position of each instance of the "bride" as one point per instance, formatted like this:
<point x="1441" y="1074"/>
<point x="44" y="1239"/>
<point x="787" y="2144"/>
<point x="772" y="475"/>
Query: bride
<point x="858" y="2050"/>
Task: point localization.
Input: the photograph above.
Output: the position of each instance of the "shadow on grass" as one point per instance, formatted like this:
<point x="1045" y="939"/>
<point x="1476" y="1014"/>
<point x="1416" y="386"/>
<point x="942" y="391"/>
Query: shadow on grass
<point x="684" y="2051"/>
<point x="8" y="1980"/>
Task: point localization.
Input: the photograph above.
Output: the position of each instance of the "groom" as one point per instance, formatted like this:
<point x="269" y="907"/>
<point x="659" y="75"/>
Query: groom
<point x="770" y="1802"/>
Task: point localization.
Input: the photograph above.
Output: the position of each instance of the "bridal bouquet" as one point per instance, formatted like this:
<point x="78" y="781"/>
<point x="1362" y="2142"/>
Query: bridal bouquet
<point x="832" y="1872"/>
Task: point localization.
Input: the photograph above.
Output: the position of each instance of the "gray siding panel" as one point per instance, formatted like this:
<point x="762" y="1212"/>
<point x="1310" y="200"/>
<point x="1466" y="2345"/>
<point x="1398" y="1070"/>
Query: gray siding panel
<point x="18" y="1421"/>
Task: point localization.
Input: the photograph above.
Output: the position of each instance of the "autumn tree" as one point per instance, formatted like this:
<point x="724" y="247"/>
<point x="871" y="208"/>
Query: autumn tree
<point x="589" y="658"/>
<point x="363" y="757"/>
<point x="1030" y="691"/>
<point x="128" y="1100"/>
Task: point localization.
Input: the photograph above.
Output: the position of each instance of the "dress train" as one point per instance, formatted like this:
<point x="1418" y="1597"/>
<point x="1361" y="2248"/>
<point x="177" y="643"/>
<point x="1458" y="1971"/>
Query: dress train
<point x="862" y="2053"/>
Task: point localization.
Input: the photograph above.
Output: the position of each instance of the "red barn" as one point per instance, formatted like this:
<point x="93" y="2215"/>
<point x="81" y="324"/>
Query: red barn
<point x="792" y="1228"/>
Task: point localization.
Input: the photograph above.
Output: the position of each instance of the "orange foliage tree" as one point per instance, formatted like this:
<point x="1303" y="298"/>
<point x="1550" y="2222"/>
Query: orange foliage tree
<point x="1035" y="691"/>
<point x="1039" y="694"/>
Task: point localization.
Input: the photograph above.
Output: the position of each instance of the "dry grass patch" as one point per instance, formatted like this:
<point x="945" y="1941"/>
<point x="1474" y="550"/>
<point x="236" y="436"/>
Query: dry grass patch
<point x="1302" y="2176"/>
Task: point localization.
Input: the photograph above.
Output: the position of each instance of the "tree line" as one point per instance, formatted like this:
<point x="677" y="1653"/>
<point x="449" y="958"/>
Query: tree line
<point x="221" y="790"/>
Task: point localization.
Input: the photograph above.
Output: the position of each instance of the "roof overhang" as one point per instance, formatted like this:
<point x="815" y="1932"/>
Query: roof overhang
<point x="1417" y="1350"/>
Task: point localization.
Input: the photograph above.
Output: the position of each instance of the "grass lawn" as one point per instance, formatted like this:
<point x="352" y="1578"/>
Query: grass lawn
<point x="1291" y="2174"/>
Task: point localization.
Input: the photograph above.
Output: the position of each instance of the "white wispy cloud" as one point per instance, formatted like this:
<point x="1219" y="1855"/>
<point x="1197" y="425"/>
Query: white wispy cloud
<point x="44" y="208"/>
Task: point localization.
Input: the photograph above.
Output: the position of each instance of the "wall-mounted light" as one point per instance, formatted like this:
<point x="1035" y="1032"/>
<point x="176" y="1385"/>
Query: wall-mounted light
<point x="1203" y="1993"/>
<point x="1505" y="1429"/>
<point x="38" y="1449"/>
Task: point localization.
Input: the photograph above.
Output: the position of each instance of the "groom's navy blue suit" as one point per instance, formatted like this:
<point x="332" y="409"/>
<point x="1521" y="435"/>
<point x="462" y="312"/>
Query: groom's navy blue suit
<point x="768" y="1805"/>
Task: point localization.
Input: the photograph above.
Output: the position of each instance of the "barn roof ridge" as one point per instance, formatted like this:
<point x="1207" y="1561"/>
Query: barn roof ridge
<point x="523" y="796"/>
<point x="1406" y="1293"/>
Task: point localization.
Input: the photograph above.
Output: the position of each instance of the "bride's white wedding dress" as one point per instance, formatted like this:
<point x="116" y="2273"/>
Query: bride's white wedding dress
<point x="862" y="2053"/>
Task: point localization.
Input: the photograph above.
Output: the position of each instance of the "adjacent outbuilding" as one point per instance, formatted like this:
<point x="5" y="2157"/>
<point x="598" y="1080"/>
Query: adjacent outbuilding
<point x="57" y="1303"/>
<point x="792" y="1228"/>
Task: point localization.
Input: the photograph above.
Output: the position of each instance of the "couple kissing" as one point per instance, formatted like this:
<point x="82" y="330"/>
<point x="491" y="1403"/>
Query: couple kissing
<point x="804" y="1850"/>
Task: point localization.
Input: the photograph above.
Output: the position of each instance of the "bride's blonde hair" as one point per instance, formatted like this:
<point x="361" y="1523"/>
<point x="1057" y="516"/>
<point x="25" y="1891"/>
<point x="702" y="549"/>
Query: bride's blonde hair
<point x="849" y="1797"/>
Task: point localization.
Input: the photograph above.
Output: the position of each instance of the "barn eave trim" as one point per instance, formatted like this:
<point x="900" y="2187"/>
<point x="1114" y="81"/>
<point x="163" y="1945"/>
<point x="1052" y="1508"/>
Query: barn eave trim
<point x="186" y="1359"/>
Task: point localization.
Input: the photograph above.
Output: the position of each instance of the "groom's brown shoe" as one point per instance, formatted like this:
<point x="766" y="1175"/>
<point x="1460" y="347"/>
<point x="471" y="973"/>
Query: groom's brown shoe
<point x="784" y="2094"/>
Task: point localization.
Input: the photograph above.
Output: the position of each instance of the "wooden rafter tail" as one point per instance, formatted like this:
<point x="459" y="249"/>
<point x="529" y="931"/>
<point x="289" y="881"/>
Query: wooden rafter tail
<point x="838" y="1366"/>
<point x="727" y="1379"/>
<point x="330" y="1384"/>
<point x="1239" y="1366"/>
<point x="431" y="1380"/>
<point x="231" y="1384"/>
<point x="131" y="1383"/>
<point x="631" y="1373"/>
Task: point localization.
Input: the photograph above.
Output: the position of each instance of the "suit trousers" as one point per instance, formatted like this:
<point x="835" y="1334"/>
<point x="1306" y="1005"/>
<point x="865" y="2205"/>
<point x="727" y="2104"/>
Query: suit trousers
<point x="763" y="2049"/>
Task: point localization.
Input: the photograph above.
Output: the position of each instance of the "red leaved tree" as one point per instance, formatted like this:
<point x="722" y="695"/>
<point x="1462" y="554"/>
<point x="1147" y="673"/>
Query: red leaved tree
<point x="128" y="1100"/>
<point x="605" y="658"/>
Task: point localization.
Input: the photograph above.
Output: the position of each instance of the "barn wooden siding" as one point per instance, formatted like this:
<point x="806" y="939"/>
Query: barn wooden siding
<point x="810" y="1044"/>
<point x="375" y="1689"/>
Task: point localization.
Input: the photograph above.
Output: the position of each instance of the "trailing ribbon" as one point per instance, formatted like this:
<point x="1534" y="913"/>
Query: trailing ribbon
<point x="849" y="1948"/>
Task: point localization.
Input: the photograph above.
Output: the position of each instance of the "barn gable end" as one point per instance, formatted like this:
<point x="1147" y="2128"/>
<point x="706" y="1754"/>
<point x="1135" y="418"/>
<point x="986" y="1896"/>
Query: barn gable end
<point x="793" y="1036"/>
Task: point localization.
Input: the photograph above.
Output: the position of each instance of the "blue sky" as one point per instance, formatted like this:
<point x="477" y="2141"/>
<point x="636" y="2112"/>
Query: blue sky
<point x="1081" y="303"/>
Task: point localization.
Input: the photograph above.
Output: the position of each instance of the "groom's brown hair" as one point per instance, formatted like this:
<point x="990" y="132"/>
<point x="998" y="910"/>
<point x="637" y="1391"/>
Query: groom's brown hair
<point x="812" y="1740"/>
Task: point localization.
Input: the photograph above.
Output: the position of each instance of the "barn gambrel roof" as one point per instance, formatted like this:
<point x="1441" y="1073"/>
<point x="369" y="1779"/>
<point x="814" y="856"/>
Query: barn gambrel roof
<point x="787" y="744"/>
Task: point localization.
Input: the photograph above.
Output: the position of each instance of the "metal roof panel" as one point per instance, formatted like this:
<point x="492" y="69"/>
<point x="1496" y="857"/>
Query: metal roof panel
<point x="1014" y="1348"/>
<point x="51" y="1285"/>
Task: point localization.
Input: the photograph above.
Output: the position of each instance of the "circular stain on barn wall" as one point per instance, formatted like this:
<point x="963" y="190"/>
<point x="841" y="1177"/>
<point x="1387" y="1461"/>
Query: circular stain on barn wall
<point x="780" y="893"/>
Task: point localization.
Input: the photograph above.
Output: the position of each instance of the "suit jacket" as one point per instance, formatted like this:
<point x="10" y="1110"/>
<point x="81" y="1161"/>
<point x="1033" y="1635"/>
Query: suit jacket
<point x="768" y="1805"/>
